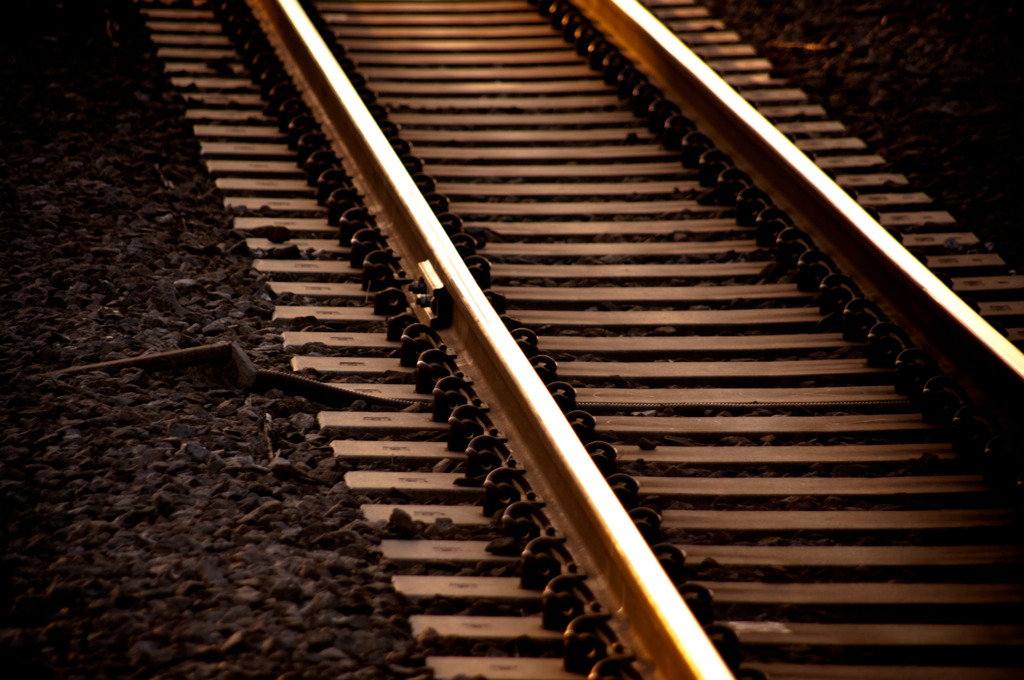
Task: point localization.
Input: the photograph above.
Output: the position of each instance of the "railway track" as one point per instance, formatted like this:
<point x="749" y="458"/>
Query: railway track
<point x="825" y="501"/>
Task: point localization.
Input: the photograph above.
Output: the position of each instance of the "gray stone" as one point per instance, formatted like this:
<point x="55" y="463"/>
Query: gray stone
<point x="214" y="328"/>
<point x="181" y="430"/>
<point x="165" y="296"/>
<point x="210" y="572"/>
<point x="199" y="453"/>
<point x="247" y="595"/>
<point x="322" y="600"/>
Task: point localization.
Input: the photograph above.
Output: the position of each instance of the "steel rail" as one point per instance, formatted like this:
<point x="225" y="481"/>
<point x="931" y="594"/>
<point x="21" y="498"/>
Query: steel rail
<point x="965" y="345"/>
<point x="659" y="626"/>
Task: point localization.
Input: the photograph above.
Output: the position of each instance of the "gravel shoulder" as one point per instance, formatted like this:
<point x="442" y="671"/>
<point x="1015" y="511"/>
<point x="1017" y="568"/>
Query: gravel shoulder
<point x="156" y="524"/>
<point x="167" y="525"/>
<point x="935" y="88"/>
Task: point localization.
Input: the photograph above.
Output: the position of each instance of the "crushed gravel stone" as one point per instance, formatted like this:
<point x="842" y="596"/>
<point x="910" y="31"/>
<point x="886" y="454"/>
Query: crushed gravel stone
<point x="158" y="524"/>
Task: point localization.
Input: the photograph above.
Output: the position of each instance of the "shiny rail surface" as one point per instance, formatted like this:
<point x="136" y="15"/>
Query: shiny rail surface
<point x="936" y="318"/>
<point x="666" y="416"/>
<point x="596" y="523"/>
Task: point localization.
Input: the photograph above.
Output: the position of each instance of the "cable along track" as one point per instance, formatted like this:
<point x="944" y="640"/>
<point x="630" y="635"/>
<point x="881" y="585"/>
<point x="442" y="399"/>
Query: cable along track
<point x="836" y="527"/>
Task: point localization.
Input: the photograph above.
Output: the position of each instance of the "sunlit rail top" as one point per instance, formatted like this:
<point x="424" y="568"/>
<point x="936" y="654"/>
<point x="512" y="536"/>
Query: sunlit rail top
<point x="662" y="628"/>
<point x="936" y="319"/>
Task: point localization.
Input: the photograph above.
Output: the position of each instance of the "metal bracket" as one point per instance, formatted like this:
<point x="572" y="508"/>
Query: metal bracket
<point x="434" y="297"/>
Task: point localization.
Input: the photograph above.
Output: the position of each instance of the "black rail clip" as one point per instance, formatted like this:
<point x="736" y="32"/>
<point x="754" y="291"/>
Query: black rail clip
<point x="503" y="487"/>
<point x="587" y="640"/>
<point x="416" y="339"/>
<point x="544" y="558"/>
<point x="485" y="454"/>
<point x="524" y="521"/>
<point x="565" y="598"/>
<point x="449" y="393"/>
